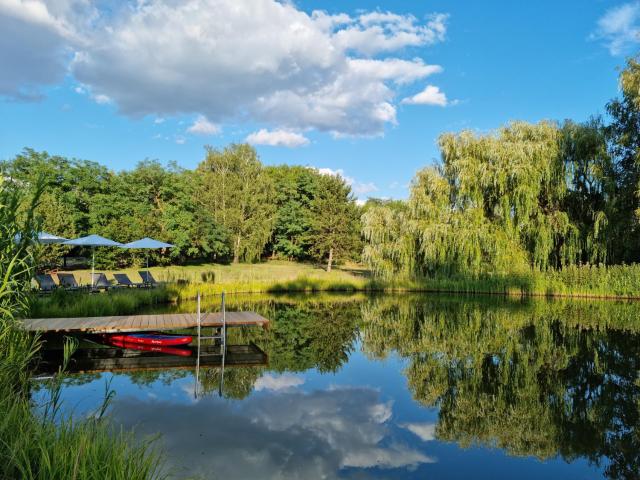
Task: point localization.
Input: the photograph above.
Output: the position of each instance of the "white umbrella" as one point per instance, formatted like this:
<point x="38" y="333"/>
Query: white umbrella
<point x="92" y="241"/>
<point x="147" y="243"/>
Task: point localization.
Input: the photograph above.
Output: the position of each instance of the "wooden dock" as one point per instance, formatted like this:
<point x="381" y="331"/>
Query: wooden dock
<point x="141" y="323"/>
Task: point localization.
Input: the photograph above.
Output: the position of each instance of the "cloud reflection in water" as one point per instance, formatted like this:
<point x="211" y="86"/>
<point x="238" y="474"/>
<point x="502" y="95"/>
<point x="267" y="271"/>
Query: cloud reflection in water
<point x="290" y="434"/>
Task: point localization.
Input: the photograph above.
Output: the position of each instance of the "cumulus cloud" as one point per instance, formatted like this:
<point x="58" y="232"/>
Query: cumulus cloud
<point x="33" y="48"/>
<point x="376" y="32"/>
<point x="431" y="95"/>
<point x="227" y="60"/>
<point x="359" y="188"/>
<point x="202" y="126"/>
<point x="277" y="138"/>
<point x="619" y="28"/>
<point x="101" y="98"/>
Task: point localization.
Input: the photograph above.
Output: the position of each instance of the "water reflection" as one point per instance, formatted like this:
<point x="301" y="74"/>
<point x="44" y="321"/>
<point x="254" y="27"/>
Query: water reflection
<point x="405" y="386"/>
<point x="540" y="379"/>
<point x="290" y="434"/>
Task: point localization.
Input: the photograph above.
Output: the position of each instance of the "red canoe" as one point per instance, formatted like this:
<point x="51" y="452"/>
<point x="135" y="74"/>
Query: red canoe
<point x="152" y="339"/>
<point x="182" y="352"/>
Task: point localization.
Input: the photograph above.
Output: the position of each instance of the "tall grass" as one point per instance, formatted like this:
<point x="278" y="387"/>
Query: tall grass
<point x="82" y="304"/>
<point x="44" y="445"/>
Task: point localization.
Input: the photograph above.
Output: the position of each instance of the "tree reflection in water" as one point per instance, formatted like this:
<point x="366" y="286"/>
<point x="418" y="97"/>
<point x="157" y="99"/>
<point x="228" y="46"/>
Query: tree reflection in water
<point x="536" y="378"/>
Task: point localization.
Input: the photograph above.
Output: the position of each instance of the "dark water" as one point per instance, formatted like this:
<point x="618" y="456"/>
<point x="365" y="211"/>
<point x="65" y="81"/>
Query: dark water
<point x="398" y="387"/>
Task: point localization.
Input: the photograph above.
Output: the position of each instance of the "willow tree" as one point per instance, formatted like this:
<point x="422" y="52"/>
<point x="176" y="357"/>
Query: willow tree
<point x="590" y="200"/>
<point x="389" y="248"/>
<point x="496" y="204"/>
<point x="515" y="178"/>
<point x="239" y="193"/>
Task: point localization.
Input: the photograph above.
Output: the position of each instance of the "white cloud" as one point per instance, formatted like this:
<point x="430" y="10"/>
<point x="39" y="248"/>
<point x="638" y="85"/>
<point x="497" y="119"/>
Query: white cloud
<point x="101" y="99"/>
<point x="400" y="71"/>
<point x="277" y="138"/>
<point x="363" y="188"/>
<point x="377" y="32"/>
<point x="227" y="60"/>
<point x="180" y="140"/>
<point x="359" y="188"/>
<point x="426" y="431"/>
<point x="619" y="28"/>
<point x="158" y="120"/>
<point x="202" y="126"/>
<point x="278" y="383"/>
<point x="33" y="48"/>
<point x="431" y="95"/>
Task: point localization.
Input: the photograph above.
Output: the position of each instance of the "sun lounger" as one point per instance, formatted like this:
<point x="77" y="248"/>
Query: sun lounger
<point x="147" y="278"/>
<point x="124" y="281"/>
<point x="99" y="281"/>
<point x="68" y="281"/>
<point x="46" y="283"/>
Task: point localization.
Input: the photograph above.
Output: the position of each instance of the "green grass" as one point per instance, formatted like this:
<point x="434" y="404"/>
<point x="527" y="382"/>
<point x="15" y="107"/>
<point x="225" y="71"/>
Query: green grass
<point x="82" y="304"/>
<point x="244" y="273"/>
<point x="39" y="444"/>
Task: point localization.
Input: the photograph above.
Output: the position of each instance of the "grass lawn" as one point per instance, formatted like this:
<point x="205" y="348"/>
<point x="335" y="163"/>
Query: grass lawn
<point x="244" y="273"/>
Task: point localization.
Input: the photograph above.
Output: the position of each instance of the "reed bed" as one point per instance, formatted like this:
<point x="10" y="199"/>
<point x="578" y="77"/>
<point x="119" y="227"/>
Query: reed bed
<point x="82" y="304"/>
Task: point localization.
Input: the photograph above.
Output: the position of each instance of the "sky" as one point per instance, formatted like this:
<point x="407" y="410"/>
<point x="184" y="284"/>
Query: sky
<point x="362" y="88"/>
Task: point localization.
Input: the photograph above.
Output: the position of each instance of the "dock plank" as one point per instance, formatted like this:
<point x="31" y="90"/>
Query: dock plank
<point x="138" y="323"/>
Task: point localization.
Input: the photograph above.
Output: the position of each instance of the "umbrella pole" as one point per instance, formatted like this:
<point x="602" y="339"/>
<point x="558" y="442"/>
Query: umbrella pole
<point x="93" y="265"/>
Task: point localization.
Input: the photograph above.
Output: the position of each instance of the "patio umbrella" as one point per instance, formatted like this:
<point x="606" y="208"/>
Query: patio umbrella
<point x="147" y="243"/>
<point x="92" y="241"/>
<point x="44" y="238"/>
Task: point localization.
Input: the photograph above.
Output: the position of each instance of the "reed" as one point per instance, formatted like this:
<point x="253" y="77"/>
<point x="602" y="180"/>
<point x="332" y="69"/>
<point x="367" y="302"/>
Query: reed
<point x="42" y="444"/>
<point x="82" y="304"/>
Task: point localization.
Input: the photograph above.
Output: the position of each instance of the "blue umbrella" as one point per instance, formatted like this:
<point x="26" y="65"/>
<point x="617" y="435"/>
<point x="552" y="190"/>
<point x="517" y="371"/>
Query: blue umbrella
<point x="147" y="243"/>
<point x="44" y="238"/>
<point x="92" y="241"/>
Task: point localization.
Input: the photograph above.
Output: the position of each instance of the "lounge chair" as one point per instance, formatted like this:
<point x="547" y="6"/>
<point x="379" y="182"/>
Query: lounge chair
<point x="99" y="281"/>
<point x="147" y="278"/>
<point x="124" y="281"/>
<point x="46" y="283"/>
<point x="68" y="281"/>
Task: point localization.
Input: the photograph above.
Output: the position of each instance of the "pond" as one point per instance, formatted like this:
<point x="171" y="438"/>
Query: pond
<point x="393" y="386"/>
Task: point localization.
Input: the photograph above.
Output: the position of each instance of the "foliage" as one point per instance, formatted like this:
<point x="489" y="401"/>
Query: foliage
<point x="62" y="303"/>
<point x="237" y="190"/>
<point x="45" y="446"/>
<point x="334" y="221"/>
<point x="295" y="189"/>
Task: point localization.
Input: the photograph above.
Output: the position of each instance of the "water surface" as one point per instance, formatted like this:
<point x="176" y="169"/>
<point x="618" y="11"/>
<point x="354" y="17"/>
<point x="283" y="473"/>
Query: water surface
<point x="398" y="387"/>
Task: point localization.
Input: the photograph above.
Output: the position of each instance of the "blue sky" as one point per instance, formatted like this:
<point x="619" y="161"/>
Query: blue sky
<point x="338" y="89"/>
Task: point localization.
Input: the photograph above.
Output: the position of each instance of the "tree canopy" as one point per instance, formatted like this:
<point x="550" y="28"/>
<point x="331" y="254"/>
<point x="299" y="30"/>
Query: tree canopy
<point x="230" y="208"/>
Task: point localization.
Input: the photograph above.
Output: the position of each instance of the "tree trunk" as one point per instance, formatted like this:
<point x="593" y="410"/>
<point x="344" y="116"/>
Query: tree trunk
<point x="330" y="261"/>
<point x="236" y="250"/>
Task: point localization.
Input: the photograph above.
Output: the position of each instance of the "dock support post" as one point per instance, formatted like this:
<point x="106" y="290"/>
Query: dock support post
<point x="223" y="344"/>
<point x="198" y="321"/>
